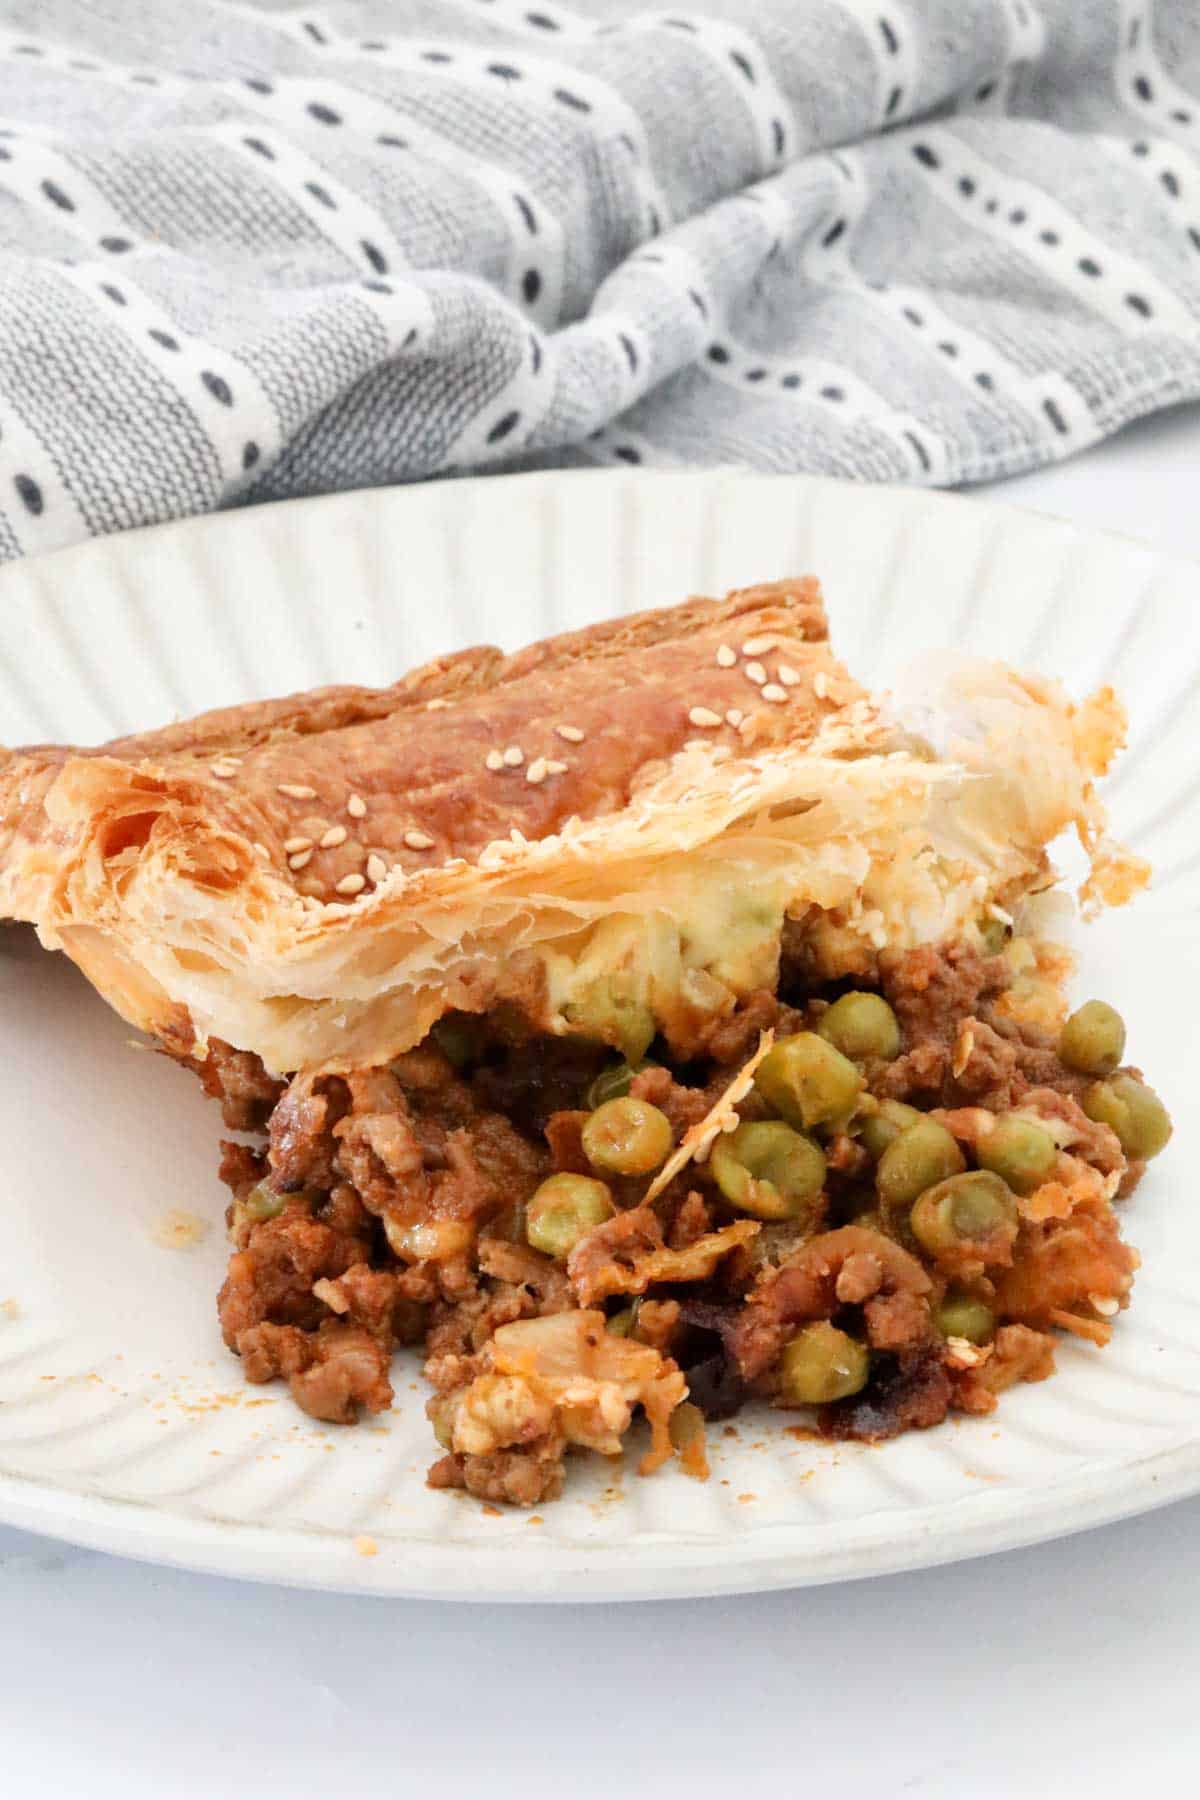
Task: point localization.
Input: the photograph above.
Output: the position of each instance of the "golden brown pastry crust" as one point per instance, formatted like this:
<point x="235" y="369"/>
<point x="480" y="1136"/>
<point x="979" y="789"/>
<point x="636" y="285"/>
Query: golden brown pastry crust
<point x="319" y="878"/>
<point x="403" y="773"/>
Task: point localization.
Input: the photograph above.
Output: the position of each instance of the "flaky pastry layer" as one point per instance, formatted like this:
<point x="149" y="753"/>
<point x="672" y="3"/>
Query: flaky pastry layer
<point x="605" y="831"/>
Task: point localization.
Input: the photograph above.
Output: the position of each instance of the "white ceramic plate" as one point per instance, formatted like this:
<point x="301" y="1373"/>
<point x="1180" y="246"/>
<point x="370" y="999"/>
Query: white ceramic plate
<point x="123" y="1422"/>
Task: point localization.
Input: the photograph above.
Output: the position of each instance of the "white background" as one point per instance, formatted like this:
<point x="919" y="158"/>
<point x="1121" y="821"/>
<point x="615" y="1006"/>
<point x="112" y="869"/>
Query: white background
<point x="1075" y="1666"/>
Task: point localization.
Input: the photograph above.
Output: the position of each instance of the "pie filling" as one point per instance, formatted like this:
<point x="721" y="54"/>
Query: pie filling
<point x="878" y="1198"/>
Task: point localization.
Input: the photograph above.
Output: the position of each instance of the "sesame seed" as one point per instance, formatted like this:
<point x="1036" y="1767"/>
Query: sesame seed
<point x="734" y="716"/>
<point x="376" y="868"/>
<point x="757" y="646"/>
<point x="788" y="675"/>
<point x="262" y="850"/>
<point x="301" y="860"/>
<point x="235" y="762"/>
<point x="774" y="693"/>
<point x="726" y="657"/>
<point x="1105" y="1305"/>
<point x="356" y="806"/>
<point x="702" y="716"/>
<point x="417" y="840"/>
<point x="223" y="770"/>
<point x="514" y="756"/>
<point x="351" y="884"/>
<point x="820" y="684"/>
<point x="571" y="733"/>
<point x="437" y="705"/>
<point x="494" y="760"/>
<point x="333" y="837"/>
<point x="293" y="846"/>
<point x="555" y="768"/>
<point x="756" y="673"/>
<point x="536" y="771"/>
<point x="296" y="792"/>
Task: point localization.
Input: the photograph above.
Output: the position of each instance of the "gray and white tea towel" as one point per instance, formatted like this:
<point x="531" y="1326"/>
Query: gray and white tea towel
<point x="252" y="249"/>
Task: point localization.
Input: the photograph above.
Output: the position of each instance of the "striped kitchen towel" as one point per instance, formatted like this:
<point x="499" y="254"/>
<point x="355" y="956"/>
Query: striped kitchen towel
<point x="254" y="250"/>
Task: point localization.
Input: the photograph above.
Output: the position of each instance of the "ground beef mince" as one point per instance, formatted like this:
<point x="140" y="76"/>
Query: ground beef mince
<point x="273" y="1277"/>
<point x="684" y="1106"/>
<point x="241" y="1168"/>
<point x="334" y="1372"/>
<point x="732" y="1040"/>
<point x="932" y="991"/>
<point x="522" y="1478"/>
<point x="348" y="1374"/>
<point x="401" y="1205"/>
<point x="248" y="1095"/>
<point x="301" y="1133"/>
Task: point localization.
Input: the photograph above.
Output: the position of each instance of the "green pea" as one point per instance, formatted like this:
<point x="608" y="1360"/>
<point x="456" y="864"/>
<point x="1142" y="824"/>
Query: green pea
<point x="1093" y="1039"/>
<point x="821" y="1364"/>
<point x="607" y="1010"/>
<point x="263" y="1203"/>
<point x="962" y="1316"/>
<point x="624" y="1323"/>
<point x="808" y="1081"/>
<point x="686" y="1426"/>
<point x="1134" y="1111"/>
<point x="862" y="1025"/>
<point x="627" y="1137"/>
<point x="922" y="1155"/>
<point x="1020" y="1151"/>
<point x="965" y="1212"/>
<point x="613" y="1083"/>
<point x="564" y="1209"/>
<point x="768" y="1170"/>
<point x="883" y="1127"/>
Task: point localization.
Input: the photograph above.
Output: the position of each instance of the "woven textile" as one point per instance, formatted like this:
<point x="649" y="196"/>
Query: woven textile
<point x="255" y="250"/>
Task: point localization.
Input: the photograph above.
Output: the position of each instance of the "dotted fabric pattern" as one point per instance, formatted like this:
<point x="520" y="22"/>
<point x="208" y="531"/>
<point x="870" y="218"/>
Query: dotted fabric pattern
<point x="254" y="250"/>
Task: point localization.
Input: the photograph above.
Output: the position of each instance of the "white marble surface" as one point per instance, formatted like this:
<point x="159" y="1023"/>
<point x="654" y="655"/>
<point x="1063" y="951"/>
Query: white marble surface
<point x="1073" y="1665"/>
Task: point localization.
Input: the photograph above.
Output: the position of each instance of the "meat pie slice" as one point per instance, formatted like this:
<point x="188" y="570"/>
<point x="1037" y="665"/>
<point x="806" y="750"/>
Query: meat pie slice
<point x="474" y="955"/>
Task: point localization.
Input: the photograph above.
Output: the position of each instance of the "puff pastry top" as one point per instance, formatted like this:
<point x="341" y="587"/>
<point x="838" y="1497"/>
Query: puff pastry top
<point x="319" y="878"/>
